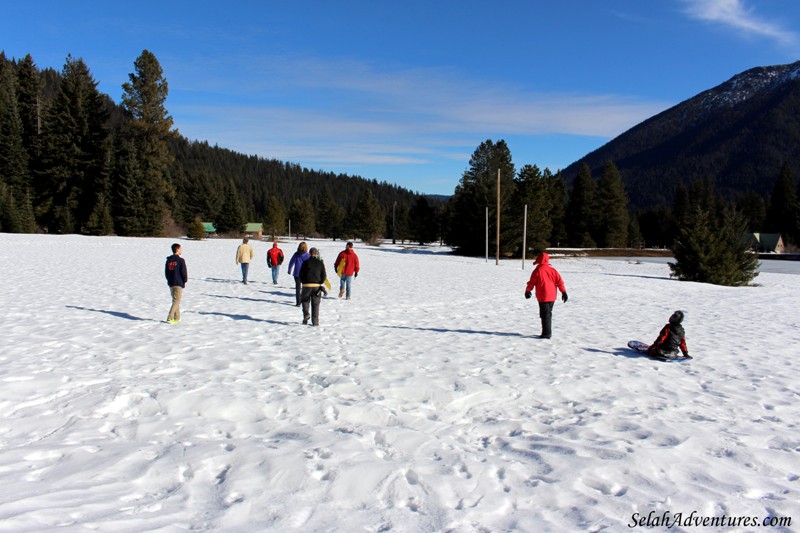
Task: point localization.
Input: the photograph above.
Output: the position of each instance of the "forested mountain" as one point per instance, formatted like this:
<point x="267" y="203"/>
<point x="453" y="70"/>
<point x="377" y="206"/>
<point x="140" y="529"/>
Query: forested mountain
<point x="74" y="161"/>
<point x="739" y="134"/>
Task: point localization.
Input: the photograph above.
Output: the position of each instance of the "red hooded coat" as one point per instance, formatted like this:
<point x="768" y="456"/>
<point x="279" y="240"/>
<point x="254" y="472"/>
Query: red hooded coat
<point x="546" y="279"/>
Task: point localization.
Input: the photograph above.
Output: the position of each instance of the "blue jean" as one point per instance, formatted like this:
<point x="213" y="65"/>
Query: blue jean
<point x="275" y="270"/>
<point x="344" y="283"/>
<point x="245" y="268"/>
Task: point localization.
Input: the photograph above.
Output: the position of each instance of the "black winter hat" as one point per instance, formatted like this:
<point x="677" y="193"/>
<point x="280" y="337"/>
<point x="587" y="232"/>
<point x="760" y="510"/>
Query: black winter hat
<point x="676" y="318"/>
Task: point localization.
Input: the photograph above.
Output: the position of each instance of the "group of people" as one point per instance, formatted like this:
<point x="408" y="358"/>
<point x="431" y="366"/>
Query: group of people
<point x="310" y="277"/>
<point x="306" y="266"/>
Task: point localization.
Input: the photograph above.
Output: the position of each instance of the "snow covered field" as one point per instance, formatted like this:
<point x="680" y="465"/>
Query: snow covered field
<point x="425" y="403"/>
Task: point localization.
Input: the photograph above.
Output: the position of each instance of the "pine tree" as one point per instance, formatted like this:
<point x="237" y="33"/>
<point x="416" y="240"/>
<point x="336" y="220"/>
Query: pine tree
<point x="274" y="222"/>
<point x="712" y="251"/>
<point x="476" y="192"/>
<point x="368" y="220"/>
<point x="128" y="201"/>
<point x="230" y="218"/>
<point x="13" y="157"/>
<point x="581" y="210"/>
<point x="557" y="197"/>
<point x="533" y="191"/>
<point x="422" y="219"/>
<point x="144" y="97"/>
<point x="403" y="224"/>
<point x="330" y="221"/>
<point x="301" y="213"/>
<point x="754" y="210"/>
<point x="783" y="206"/>
<point x="196" y="230"/>
<point x="100" y="221"/>
<point x="74" y="151"/>
<point x="30" y="103"/>
<point x="612" y="205"/>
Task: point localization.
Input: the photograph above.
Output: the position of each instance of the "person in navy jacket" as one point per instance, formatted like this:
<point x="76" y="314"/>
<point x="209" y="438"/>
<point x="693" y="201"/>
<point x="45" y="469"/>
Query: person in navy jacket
<point x="175" y="272"/>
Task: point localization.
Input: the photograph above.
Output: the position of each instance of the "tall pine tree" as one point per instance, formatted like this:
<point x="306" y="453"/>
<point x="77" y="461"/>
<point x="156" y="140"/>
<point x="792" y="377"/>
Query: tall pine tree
<point x="612" y="205"/>
<point x="782" y="213"/>
<point x="581" y="210"/>
<point x="74" y="151"/>
<point x="476" y="192"/>
<point x="144" y="98"/>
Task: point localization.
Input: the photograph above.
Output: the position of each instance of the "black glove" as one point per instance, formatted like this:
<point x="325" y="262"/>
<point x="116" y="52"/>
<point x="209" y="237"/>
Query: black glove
<point x="564" y="297"/>
<point x="527" y="295"/>
<point x="355" y="275"/>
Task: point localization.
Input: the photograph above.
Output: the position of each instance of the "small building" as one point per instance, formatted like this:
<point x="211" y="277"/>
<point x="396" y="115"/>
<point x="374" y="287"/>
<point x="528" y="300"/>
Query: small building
<point x="766" y="242"/>
<point x="254" y="230"/>
<point x="210" y="229"/>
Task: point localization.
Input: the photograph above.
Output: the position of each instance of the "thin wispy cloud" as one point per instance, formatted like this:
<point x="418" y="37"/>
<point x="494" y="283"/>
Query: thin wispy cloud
<point x="736" y="15"/>
<point x="345" y="112"/>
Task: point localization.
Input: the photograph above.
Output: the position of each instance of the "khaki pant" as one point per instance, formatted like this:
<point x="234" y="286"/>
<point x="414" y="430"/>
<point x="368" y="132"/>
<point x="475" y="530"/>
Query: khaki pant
<point x="175" y="310"/>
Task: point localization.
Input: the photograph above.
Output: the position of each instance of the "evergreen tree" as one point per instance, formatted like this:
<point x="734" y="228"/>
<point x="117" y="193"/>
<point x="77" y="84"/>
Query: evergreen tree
<point x="74" y="151"/>
<point x="128" y="205"/>
<point x="274" y="222"/>
<point x="557" y="197"/>
<point x="144" y="98"/>
<point x="476" y="191"/>
<point x="13" y="157"/>
<point x="754" y="210"/>
<point x="422" y="218"/>
<point x="782" y="212"/>
<point x="612" y="205"/>
<point x="713" y="251"/>
<point x="581" y="210"/>
<point x="9" y="213"/>
<point x="634" y="233"/>
<point x="330" y="221"/>
<point x="100" y="221"/>
<point x="196" y="230"/>
<point x="368" y="220"/>
<point x="230" y="218"/>
<point x="30" y="103"/>
<point x="533" y="191"/>
<point x="403" y="223"/>
<point x="301" y="213"/>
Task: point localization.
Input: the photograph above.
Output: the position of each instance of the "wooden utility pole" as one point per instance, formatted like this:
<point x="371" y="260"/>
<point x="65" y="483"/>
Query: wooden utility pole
<point x="524" y="236"/>
<point x="497" y="256"/>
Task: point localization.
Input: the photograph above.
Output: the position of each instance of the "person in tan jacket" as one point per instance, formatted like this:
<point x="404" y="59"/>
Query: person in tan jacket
<point x="244" y="254"/>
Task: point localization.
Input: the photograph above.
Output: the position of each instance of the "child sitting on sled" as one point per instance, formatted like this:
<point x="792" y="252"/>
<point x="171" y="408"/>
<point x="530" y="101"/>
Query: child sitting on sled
<point x="671" y="339"/>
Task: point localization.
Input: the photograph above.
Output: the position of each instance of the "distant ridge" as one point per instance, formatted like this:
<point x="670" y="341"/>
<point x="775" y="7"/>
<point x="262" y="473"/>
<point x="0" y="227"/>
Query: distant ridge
<point x="740" y="133"/>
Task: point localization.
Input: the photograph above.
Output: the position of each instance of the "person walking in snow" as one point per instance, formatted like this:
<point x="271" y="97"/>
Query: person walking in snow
<point x="545" y="280"/>
<point x="244" y="254"/>
<point x="312" y="276"/>
<point x="346" y="265"/>
<point x="671" y="338"/>
<point x="295" y="264"/>
<point x="175" y="272"/>
<point x="274" y="261"/>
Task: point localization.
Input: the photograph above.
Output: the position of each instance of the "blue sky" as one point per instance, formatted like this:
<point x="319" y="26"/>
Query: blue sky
<point x="404" y="92"/>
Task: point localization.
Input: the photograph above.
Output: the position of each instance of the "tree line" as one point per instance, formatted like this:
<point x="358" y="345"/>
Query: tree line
<point x="594" y="211"/>
<point x="74" y="161"/>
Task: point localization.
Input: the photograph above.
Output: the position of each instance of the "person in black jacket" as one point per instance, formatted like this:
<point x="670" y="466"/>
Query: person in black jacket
<point x="312" y="277"/>
<point x="175" y="272"/>
<point x="671" y="338"/>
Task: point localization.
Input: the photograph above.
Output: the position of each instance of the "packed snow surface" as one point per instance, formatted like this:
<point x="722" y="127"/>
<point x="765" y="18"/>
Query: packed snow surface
<point x="424" y="403"/>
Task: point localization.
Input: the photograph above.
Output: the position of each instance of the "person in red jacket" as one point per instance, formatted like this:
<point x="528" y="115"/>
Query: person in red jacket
<point x="346" y="265"/>
<point x="545" y="279"/>
<point x="274" y="261"/>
